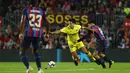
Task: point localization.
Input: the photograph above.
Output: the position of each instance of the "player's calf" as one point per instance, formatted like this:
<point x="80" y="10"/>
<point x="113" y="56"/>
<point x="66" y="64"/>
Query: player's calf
<point x="102" y="62"/>
<point x="99" y="61"/>
<point x="24" y="59"/>
<point x="38" y="60"/>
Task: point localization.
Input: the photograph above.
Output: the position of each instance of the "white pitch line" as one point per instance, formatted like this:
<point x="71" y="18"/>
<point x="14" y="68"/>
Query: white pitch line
<point x="73" y="70"/>
<point x="66" y="70"/>
<point x="63" y="70"/>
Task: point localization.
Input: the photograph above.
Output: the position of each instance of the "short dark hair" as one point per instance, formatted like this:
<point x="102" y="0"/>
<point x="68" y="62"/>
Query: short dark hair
<point x="92" y="21"/>
<point x="72" y="20"/>
<point x="33" y="2"/>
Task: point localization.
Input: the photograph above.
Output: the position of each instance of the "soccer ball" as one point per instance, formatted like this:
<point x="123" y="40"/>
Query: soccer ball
<point x="51" y="64"/>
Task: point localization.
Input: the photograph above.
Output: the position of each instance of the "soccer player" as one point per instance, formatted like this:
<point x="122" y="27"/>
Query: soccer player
<point x="72" y="32"/>
<point x="100" y="43"/>
<point x="30" y="33"/>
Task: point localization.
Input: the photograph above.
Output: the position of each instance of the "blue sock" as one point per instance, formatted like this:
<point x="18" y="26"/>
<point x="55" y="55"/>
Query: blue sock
<point x="24" y="60"/>
<point x="102" y="61"/>
<point x="38" y="60"/>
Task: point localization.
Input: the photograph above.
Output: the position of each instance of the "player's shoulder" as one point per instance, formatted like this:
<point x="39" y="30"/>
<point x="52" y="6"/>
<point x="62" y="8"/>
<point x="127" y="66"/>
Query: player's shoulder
<point x="77" y="26"/>
<point x="66" y="27"/>
<point x="40" y="8"/>
<point x="24" y="9"/>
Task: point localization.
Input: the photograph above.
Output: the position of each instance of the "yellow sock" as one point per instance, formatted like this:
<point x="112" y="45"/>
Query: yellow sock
<point x="73" y="58"/>
<point x="90" y="56"/>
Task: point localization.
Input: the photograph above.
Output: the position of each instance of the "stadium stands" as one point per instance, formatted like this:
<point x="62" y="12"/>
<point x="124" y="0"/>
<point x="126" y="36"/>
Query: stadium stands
<point x="109" y="14"/>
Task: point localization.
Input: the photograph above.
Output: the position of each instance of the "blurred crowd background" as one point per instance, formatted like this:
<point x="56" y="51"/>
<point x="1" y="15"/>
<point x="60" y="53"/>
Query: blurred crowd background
<point x="108" y="14"/>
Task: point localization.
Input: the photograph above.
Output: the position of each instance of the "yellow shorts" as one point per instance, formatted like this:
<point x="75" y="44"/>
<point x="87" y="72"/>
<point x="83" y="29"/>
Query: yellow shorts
<point x="76" y="46"/>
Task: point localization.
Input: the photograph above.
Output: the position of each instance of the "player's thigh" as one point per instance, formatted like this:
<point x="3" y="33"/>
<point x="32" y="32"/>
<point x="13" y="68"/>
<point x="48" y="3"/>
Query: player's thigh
<point x="80" y="45"/>
<point x="35" y="44"/>
<point x="72" y="47"/>
<point x="25" y="44"/>
<point x="100" y="46"/>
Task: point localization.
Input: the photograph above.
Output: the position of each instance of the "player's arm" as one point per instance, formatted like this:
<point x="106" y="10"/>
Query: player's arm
<point x="63" y="30"/>
<point x="22" y="27"/>
<point x="49" y="24"/>
<point x="84" y="37"/>
<point x="88" y="29"/>
<point x="55" y="32"/>
<point x="22" y="24"/>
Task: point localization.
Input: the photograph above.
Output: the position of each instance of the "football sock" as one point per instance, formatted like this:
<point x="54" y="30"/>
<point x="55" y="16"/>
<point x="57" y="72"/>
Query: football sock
<point x="102" y="63"/>
<point x="106" y="59"/>
<point x="90" y="56"/>
<point x="97" y="62"/>
<point x="24" y="60"/>
<point x="38" y="60"/>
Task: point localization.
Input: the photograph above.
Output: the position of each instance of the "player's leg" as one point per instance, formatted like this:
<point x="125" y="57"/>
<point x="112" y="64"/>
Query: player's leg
<point x="75" y="58"/>
<point x="106" y="59"/>
<point x="36" y="46"/>
<point x="102" y="51"/>
<point x="81" y="46"/>
<point x="99" y="59"/>
<point x="99" y="48"/>
<point x="88" y="53"/>
<point x="24" y="57"/>
<point x="94" y="58"/>
<point x="74" y="53"/>
<point x="25" y="44"/>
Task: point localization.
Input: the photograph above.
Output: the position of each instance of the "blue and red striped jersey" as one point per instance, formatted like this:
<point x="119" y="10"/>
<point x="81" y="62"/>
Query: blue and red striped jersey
<point x="98" y="32"/>
<point x="33" y="23"/>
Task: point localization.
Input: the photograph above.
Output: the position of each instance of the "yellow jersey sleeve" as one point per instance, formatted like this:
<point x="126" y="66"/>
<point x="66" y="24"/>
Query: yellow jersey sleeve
<point x="79" y="27"/>
<point x="64" y="30"/>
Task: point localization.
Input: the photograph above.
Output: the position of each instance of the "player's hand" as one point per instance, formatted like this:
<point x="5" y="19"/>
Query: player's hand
<point x="21" y="36"/>
<point x="46" y="36"/>
<point x="83" y="27"/>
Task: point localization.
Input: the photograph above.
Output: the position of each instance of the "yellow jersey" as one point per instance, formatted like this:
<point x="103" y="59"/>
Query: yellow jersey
<point x="72" y="34"/>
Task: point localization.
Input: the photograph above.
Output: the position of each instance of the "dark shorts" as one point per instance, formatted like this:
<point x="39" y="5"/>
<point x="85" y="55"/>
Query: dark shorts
<point x="28" y="41"/>
<point x="101" y="45"/>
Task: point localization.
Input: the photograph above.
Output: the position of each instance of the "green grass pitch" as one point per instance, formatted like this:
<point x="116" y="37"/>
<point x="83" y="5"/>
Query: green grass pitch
<point x="65" y="67"/>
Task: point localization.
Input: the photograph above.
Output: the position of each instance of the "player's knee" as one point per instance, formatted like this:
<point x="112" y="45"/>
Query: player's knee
<point x="35" y="50"/>
<point x="36" y="55"/>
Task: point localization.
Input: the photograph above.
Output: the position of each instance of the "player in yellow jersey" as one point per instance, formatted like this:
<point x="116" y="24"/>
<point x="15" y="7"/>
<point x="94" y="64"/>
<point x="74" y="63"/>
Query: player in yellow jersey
<point x="72" y="32"/>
